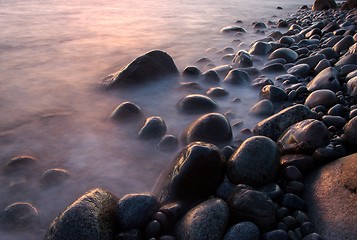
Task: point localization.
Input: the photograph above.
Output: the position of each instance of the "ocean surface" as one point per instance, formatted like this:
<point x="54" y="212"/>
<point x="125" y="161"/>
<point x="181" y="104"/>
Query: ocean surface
<point x="53" y="55"/>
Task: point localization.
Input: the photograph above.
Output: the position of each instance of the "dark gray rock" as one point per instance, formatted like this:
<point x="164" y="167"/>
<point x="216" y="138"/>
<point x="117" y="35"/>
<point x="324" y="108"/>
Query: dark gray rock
<point x="287" y="40"/>
<point x="350" y="133"/>
<point x="261" y="81"/>
<point x="217" y="92"/>
<point x="331" y="41"/>
<point x="347" y="59"/>
<point x="212" y="128"/>
<point x="54" y="176"/>
<point x="304" y="163"/>
<point x="207" y="220"/>
<point x="127" y="111"/>
<point x="259" y="25"/>
<point x="326" y="79"/>
<point x="304" y="137"/>
<point x="273" y="68"/>
<point x="285" y="53"/>
<point x="242" y="60"/>
<point x="196" y="103"/>
<point x="324" y="97"/>
<point x="329" y="53"/>
<point x="254" y="163"/>
<point x="352" y="87"/>
<point x="243" y="231"/>
<point x="336" y="121"/>
<point x="246" y="204"/>
<point x="19" y="216"/>
<point x="275" y="125"/>
<point x="312" y="61"/>
<point x="275" y="235"/>
<point x="273" y="93"/>
<point x="20" y="163"/>
<point x="191" y="72"/>
<point x="224" y="190"/>
<point x="168" y="143"/>
<point x="237" y="77"/>
<point x="313" y="236"/>
<point x="210" y="76"/>
<point x="300" y="70"/>
<point x="153" y="127"/>
<point x="323" y="64"/>
<point x="272" y="190"/>
<point x="287" y="77"/>
<point x="262" y="108"/>
<point x="260" y="48"/>
<point x="150" y="66"/>
<point x="91" y="217"/>
<point x="222" y="70"/>
<point x="233" y="29"/>
<point x="293" y="201"/>
<point x="343" y="44"/>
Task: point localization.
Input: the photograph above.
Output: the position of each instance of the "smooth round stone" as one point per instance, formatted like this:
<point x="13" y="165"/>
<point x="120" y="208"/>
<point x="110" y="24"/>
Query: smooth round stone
<point x="212" y="128"/>
<point x="328" y="153"/>
<point x="153" y="229"/>
<point x="277" y="60"/>
<point x="242" y="60"/>
<point x="329" y="53"/>
<point x="285" y="53"/>
<point x="224" y="190"/>
<point x="292" y="173"/>
<point x="351" y="75"/>
<point x="323" y="64"/>
<point x="273" y="68"/>
<point x="353" y="113"/>
<point x="190" y="86"/>
<point x="343" y="44"/>
<point x="261" y="81"/>
<point x="204" y="60"/>
<point x="262" y="108"/>
<point x="162" y="219"/>
<point x="254" y="163"/>
<point x="326" y="79"/>
<point x="300" y="70"/>
<point x="260" y="25"/>
<point x="168" y="143"/>
<point x="154" y="127"/>
<point x="346" y="69"/>
<point x="272" y="190"/>
<point x="291" y="78"/>
<point x="275" y="235"/>
<point x="196" y="103"/>
<point x="237" y="77"/>
<point x="304" y="163"/>
<point x="322" y="97"/>
<point x="243" y="230"/>
<point x="304" y="137"/>
<point x="130" y="234"/>
<point x="135" y="210"/>
<point x="350" y="133"/>
<point x="246" y="204"/>
<point x="313" y="32"/>
<point x="347" y="59"/>
<point x="273" y="93"/>
<point x="191" y="72"/>
<point x="217" y="92"/>
<point x="314" y="236"/>
<point x="300" y="216"/>
<point x="222" y="70"/>
<point x="286" y="40"/>
<point x="210" y="76"/>
<point x="227" y="58"/>
<point x="233" y="29"/>
<point x="336" y="121"/>
<point x="207" y="220"/>
<point x="20" y="163"/>
<point x="295" y="187"/>
<point x="352" y="87"/>
<point x="260" y="48"/>
<point x="331" y="41"/>
<point x="306" y="228"/>
<point x="19" y="216"/>
<point x="293" y="201"/>
<point x="312" y="61"/>
<point x="54" y="176"/>
<point x="290" y="222"/>
<point x="126" y="111"/>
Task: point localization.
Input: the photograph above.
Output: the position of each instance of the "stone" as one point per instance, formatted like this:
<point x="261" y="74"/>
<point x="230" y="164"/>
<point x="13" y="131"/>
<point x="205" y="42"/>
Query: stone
<point x="347" y="59"/>
<point x="217" y="92"/>
<point x="275" y="235"/>
<point x="20" y="163"/>
<point x="343" y="44"/>
<point x="191" y="72"/>
<point x="313" y="236"/>
<point x="323" y="5"/>
<point x="126" y="111"/>
<point x="196" y="103"/>
<point x="323" y="64"/>
<point x="260" y="48"/>
<point x="153" y="229"/>
<point x="300" y="70"/>
<point x="95" y="210"/>
<point x="244" y="231"/>
<point x="336" y="121"/>
<point x="286" y="40"/>
<point x="273" y="93"/>
<point x="261" y="81"/>
<point x="304" y="163"/>
<point x="233" y="29"/>
<point x="237" y="77"/>
<point x="19" y="216"/>
<point x="349" y="5"/>
<point x="133" y="234"/>
<point x="329" y="53"/>
<point x="168" y="143"/>
<point x="262" y="108"/>
<point x="324" y="97"/>
<point x="242" y="60"/>
<point x="210" y="76"/>
<point x="135" y="210"/>
<point x="332" y="199"/>
<point x="350" y="133"/>
<point x="54" y="176"/>
<point x="194" y="175"/>
<point x="207" y="220"/>
<point x="222" y="70"/>
<point x="276" y="124"/>
<point x="285" y="53"/>
<point x="304" y="137"/>
<point x="212" y="128"/>
<point x="224" y="190"/>
<point x="326" y="79"/>
<point x="291" y="78"/>
<point x="153" y="127"/>
<point x="352" y="87"/>
<point x="293" y="201"/>
<point x="260" y="25"/>
<point x="246" y="204"/>
<point x="272" y="190"/>
<point x="273" y="68"/>
<point x="312" y="61"/>
<point x="254" y="163"/>
<point x="150" y="66"/>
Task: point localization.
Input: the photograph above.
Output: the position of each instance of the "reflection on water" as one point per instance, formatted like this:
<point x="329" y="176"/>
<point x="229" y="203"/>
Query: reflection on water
<point x="53" y="54"/>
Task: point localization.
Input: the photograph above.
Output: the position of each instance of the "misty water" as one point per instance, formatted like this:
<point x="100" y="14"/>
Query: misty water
<point x="53" y="54"/>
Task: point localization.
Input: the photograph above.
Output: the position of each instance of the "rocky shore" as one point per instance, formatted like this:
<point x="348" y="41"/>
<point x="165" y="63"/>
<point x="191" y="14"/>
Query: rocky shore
<point x="293" y="176"/>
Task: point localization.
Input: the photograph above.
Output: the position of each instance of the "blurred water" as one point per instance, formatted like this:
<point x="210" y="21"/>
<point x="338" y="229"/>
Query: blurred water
<point x="54" y="53"/>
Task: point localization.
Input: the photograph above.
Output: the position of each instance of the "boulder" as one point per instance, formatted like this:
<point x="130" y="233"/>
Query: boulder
<point x="273" y="93"/>
<point x="150" y="66"/>
<point x="244" y="231"/>
<point x="196" y="103"/>
<point x="350" y="133"/>
<point x="262" y="108"/>
<point x="285" y="53"/>
<point x="126" y="111"/>
<point x="237" y="77"/>
<point x="326" y="79"/>
<point x="19" y="216"/>
<point x="323" y="5"/>
<point x="323" y="97"/>
<point x="153" y="127"/>
<point x="91" y="217"/>
<point x="352" y="87"/>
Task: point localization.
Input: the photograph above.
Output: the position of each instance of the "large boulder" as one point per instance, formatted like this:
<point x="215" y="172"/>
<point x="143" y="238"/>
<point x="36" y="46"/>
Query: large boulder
<point x="152" y="65"/>
<point x="331" y="196"/>
<point x="254" y="163"/>
<point x="323" y="5"/>
<point x="91" y="217"/>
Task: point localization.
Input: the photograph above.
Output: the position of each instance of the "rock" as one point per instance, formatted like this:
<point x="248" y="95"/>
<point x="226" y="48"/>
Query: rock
<point x="304" y="137"/>
<point x="275" y="125"/>
<point x="285" y="53"/>
<point x="224" y="190"/>
<point x="349" y="5"/>
<point x="343" y="44"/>
<point x="323" y="64"/>
<point x="244" y="231"/>
<point x="329" y="53"/>
<point x="95" y="210"/>
<point x="347" y="59"/>
<point x="127" y="111"/>
<point x="350" y="133"/>
<point x="287" y="40"/>
<point x="242" y="59"/>
<point x="352" y="87"/>
<point x="237" y="77"/>
<point x="133" y="234"/>
<point x="154" y="127"/>
<point x="246" y="204"/>
<point x="262" y="108"/>
<point x="276" y="235"/>
<point x="217" y="92"/>
<point x="20" y="163"/>
<point x="300" y="70"/>
<point x="260" y="25"/>
<point x="335" y="121"/>
<point x="262" y="81"/>
<point x="353" y="49"/>
<point x="260" y="48"/>
<point x="210" y="76"/>
<point x="207" y="220"/>
<point x="254" y="163"/>
<point x="135" y="210"/>
<point x="168" y="143"/>
<point x="293" y="201"/>
<point x="313" y="236"/>
<point x="191" y="72"/>
<point x="196" y="103"/>
<point x="304" y="163"/>
<point x="332" y="199"/>
<point x="195" y="174"/>
<point x="54" y="176"/>
<point x="272" y="190"/>
<point x="212" y="128"/>
<point x="222" y="70"/>
<point x="233" y="29"/>
<point x="19" y="216"/>
<point x="152" y="65"/>
<point x="323" y="5"/>
<point x="323" y="97"/>
<point x="273" y="93"/>
<point x="291" y="78"/>
<point x="326" y="79"/>
<point x="273" y="68"/>
<point x="312" y="61"/>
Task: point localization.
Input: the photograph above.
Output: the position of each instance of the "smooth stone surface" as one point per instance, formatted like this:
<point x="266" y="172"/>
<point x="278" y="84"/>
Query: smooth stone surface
<point x="329" y="53"/>
<point x="242" y="59"/>
<point x="300" y="70"/>
<point x="254" y="163"/>
<point x="153" y="127"/>
<point x="326" y="79"/>
<point x="343" y="44"/>
<point x="304" y="137"/>
<point x="19" y="216"/>
<point x="324" y="97"/>
<point x="54" y="176"/>
<point x="352" y="87"/>
<point x="261" y="81"/>
<point x="217" y="92"/>
<point x="20" y="163"/>
<point x="126" y="111"/>
<point x="262" y="108"/>
<point x="312" y="61"/>
<point x="332" y="199"/>
<point x="210" y="76"/>
<point x="191" y="72"/>
<point x="237" y="77"/>
<point x="95" y="210"/>
<point x="275" y="235"/>
<point x="273" y="93"/>
<point x="347" y="59"/>
<point x="233" y="29"/>
<point x="323" y="64"/>
<point x="273" y="68"/>
<point x="196" y="103"/>
<point x="212" y="128"/>
<point x="243" y="231"/>
<point x="275" y="125"/>
<point x="260" y="48"/>
<point x="304" y="163"/>
<point x="285" y="53"/>
<point x="350" y="133"/>
<point x="150" y="66"/>
<point x="168" y="143"/>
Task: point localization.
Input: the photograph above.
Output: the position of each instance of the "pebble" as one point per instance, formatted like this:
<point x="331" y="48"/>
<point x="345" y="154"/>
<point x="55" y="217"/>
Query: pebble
<point x="293" y="201"/>
<point x="153" y="127"/>
<point x="196" y="103"/>
<point x="168" y="143"/>
<point x="285" y="53"/>
<point x="54" y="177"/>
<point x="210" y="76"/>
<point x="262" y="108"/>
<point x="300" y="70"/>
<point x="276" y="235"/>
<point x="326" y="79"/>
<point x="127" y="111"/>
<point x="237" y="77"/>
<point x="19" y="216"/>
<point x="243" y="230"/>
<point x="191" y="72"/>
<point x="324" y="97"/>
<point x="273" y="93"/>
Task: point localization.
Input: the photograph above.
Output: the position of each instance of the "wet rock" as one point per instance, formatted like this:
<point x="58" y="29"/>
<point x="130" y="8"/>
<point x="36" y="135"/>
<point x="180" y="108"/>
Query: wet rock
<point x="207" y="220"/>
<point x="260" y="25"/>
<point x="168" y="143"/>
<point x="349" y="4"/>
<point x="304" y="163"/>
<point x="350" y="133"/>
<point x="195" y="174"/>
<point x="293" y="201"/>
<point x="19" y="216"/>
<point x="275" y="125"/>
<point x="237" y="77"/>
<point x="352" y="87"/>
<point x="210" y="76"/>
<point x="154" y="127"/>
<point x="326" y="79"/>
<point x="212" y="128"/>
<point x="196" y="103"/>
<point x="153" y="229"/>
<point x="262" y="108"/>
<point x="329" y="53"/>
<point x="254" y="163"/>
<point x="217" y="92"/>
<point x="343" y="44"/>
<point x="347" y="59"/>
<point x="243" y="230"/>
<point x="323" y="64"/>
<point x="287" y="77"/>
<point x="335" y="121"/>
<point x="332" y="199"/>
<point x="233" y="29"/>
<point x="273" y="68"/>
<point x="323" y="97"/>
<point x="95" y="210"/>
<point x="285" y="53"/>
<point x="54" y="176"/>
<point x="272" y="190"/>
<point x="246" y="204"/>
<point x="261" y="81"/>
<point x="304" y="137"/>
<point x="273" y="93"/>
<point x="20" y="163"/>
<point x="312" y="61"/>
<point x="287" y="40"/>
<point x="224" y="190"/>
<point x="191" y="72"/>
<point x="300" y="70"/>
<point x="150" y="66"/>
<point x="260" y="48"/>
<point x="135" y="210"/>
<point x="275" y="235"/>
<point x="126" y="111"/>
<point x="242" y="60"/>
